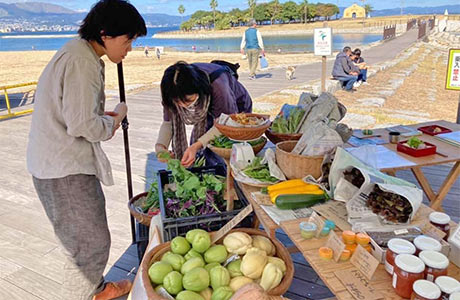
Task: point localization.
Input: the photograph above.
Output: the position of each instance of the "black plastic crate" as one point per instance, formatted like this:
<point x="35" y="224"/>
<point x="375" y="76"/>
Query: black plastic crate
<point x="142" y="239"/>
<point x="173" y="227"/>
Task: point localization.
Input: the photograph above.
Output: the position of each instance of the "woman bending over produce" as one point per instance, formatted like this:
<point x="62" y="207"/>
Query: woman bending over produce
<point x="196" y="94"/>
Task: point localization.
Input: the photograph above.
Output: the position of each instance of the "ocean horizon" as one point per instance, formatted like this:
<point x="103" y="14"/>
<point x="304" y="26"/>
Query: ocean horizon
<point x="26" y="41"/>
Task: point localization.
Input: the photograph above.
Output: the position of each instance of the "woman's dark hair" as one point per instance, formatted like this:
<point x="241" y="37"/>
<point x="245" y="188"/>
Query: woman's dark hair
<point x="183" y="79"/>
<point x="112" y="18"/>
<point x="357" y="52"/>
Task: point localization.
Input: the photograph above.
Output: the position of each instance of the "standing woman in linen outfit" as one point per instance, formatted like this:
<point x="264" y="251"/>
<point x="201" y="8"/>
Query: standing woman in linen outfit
<point x="64" y="154"/>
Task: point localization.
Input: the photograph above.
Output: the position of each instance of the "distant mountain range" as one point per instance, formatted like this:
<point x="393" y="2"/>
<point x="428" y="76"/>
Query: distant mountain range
<point x="51" y="13"/>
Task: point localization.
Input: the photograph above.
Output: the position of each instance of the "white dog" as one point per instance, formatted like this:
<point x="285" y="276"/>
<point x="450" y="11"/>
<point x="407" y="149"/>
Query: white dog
<point x="290" y="70"/>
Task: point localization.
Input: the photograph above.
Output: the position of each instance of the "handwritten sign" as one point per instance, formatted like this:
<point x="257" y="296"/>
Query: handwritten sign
<point x="433" y="231"/>
<point x="323" y="41"/>
<point x="364" y="261"/>
<point x="318" y="220"/>
<point x="453" y="70"/>
<point x="336" y="244"/>
<point x="232" y="223"/>
<point x="335" y="211"/>
<point x="357" y="284"/>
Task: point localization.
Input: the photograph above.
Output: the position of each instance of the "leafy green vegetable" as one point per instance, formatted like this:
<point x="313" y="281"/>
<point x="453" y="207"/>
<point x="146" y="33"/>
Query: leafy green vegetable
<point x="224" y="142"/>
<point x="259" y="171"/>
<point x="281" y="124"/>
<point x="414" y="142"/>
<point x="264" y="191"/>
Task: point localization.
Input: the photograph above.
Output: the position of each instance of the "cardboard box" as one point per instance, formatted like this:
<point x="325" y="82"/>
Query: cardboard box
<point x="454" y="241"/>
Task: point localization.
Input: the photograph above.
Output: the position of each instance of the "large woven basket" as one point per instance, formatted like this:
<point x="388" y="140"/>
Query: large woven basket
<point x="142" y="218"/>
<point x="226" y="152"/>
<point x="281" y="252"/>
<point x="297" y="166"/>
<point x="243" y="133"/>
<point x="276" y="138"/>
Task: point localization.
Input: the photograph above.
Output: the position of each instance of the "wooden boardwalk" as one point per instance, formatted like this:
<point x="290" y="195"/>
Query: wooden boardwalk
<point x="30" y="260"/>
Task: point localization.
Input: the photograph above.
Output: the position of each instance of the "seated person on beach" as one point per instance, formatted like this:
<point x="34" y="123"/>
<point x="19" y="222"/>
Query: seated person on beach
<point x="193" y="95"/>
<point x="344" y="70"/>
<point x="359" y="62"/>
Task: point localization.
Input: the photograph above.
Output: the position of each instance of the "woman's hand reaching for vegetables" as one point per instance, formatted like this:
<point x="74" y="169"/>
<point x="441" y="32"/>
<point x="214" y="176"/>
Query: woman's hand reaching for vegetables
<point x="190" y="154"/>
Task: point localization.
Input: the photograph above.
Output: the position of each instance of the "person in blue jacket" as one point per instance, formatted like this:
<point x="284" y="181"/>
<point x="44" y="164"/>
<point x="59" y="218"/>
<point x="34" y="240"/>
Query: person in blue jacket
<point x="253" y="44"/>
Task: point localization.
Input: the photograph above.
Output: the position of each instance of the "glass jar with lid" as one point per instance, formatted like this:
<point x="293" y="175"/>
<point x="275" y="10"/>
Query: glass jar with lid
<point x="408" y="269"/>
<point x="441" y="221"/>
<point x="455" y="296"/>
<point x="396" y="246"/>
<point x="436" y="264"/>
<point x="448" y="286"/>
<point x="425" y="290"/>
<point x="424" y="242"/>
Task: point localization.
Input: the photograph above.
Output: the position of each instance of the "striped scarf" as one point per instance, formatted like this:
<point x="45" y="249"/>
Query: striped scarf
<point x="182" y="117"/>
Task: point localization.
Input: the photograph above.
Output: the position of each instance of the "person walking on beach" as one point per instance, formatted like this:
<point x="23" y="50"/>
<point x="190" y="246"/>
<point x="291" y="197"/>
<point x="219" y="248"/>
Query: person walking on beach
<point x="146" y="51"/>
<point x="196" y="94"/>
<point x="158" y="52"/>
<point x="253" y="44"/>
<point x="64" y="153"/>
<point x="344" y="70"/>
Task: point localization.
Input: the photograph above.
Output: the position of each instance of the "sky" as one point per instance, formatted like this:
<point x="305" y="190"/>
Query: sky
<point x="170" y="6"/>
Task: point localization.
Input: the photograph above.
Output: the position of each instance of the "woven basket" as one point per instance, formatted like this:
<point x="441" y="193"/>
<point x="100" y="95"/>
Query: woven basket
<point x="276" y="138"/>
<point x="243" y="133"/>
<point x="297" y="166"/>
<point x="142" y="218"/>
<point x="281" y="252"/>
<point x="226" y="152"/>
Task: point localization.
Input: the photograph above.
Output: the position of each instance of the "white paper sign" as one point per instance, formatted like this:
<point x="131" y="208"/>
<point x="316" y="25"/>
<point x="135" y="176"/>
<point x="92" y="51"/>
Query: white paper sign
<point x="323" y="41"/>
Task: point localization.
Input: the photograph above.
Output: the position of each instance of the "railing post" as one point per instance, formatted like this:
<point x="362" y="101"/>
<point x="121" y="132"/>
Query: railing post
<point x="7" y="102"/>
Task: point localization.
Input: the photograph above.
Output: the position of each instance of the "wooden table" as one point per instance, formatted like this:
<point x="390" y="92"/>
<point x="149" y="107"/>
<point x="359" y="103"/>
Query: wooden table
<point x="381" y="281"/>
<point x="452" y="153"/>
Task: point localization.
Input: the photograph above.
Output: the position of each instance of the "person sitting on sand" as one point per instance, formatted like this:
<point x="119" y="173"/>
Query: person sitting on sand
<point x="344" y="71"/>
<point x="196" y="94"/>
<point x="359" y="62"/>
<point x="64" y="153"/>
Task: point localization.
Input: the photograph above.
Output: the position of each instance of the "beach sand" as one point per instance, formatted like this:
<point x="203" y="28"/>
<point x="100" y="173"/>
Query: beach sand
<point x="139" y="71"/>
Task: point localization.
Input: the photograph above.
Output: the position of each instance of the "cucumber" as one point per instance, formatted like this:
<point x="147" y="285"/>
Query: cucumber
<point x="294" y="201"/>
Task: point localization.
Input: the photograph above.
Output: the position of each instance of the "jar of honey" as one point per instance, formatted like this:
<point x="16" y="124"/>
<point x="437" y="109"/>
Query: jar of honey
<point x="425" y="290"/>
<point x="349" y="237"/>
<point x="395" y="247"/>
<point x="448" y="286"/>
<point x="424" y="242"/>
<point x="441" y="221"/>
<point x="408" y="269"/>
<point x="436" y="264"/>
<point x="362" y="239"/>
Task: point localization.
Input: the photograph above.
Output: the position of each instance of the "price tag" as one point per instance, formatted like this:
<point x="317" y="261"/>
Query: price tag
<point x="318" y="220"/>
<point x="336" y="244"/>
<point x="335" y="211"/>
<point x="357" y="284"/>
<point x="232" y="223"/>
<point x="364" y="261"/>
<point x="433" y="231"/>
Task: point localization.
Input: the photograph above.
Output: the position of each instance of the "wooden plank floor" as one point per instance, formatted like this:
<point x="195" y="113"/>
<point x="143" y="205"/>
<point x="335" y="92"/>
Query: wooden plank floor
<point x="30" y="260"/>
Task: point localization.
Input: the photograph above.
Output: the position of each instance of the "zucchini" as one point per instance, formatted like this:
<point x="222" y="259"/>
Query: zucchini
<point x="294" y="201"/>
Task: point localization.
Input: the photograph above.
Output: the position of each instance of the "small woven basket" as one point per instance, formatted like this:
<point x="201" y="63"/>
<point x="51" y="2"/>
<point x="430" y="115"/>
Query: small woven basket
<point x="281" y="252"/>
<point x="276" y="138"/>
<point x="226" y="152"/>
<point x="296" y="166"/>
<point x="243" y="133"/>
<point x="142" y="218"/>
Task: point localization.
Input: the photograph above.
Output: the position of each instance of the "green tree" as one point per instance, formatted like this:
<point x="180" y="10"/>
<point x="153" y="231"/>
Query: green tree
<point x="326" y="10"/>
<point x="223" y="21"/>
<point x="368" y="8"/>
<point x="274" y="10"/>
<point x="213" y="5"/>
<point x="261" y="12"/>
<point x="303" y="10"/>
<point x="252" y="6"/>
<point x="236" y="16"/>
<point x="181" y="10"/>
<point x="187" y="25"/>
<point x="290" y="11"/>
